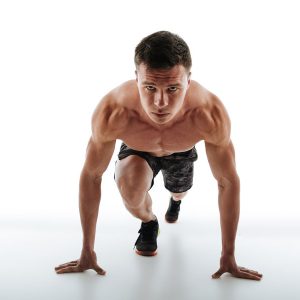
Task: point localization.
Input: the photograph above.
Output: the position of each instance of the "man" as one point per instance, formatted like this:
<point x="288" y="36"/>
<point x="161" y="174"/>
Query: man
<point x="160" y="117"/>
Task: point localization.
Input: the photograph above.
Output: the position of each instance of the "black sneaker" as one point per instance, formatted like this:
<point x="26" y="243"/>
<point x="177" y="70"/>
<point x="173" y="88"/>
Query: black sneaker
<point x="171" y="215"/>
<point x="146" y="244"/>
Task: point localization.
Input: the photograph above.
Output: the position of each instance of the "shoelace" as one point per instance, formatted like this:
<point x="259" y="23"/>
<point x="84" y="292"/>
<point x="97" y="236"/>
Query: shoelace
<point x="147" y="232"/>
<point x="174" y="206"/>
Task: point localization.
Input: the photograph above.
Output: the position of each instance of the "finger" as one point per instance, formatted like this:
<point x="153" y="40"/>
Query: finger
<point x="254" y="273"/>
<point x="71" y="269"/>
<point x="66" y="265"/>
<point x="218" y="274"/>
<point x="99" y="270"/>
<point x="246" y="275"/>
<point x="258" y="275"/>
<point x="251" y="271"/>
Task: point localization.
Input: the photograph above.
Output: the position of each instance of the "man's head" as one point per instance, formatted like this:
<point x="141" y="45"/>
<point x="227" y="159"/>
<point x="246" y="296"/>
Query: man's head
<point x="163" y="64"/>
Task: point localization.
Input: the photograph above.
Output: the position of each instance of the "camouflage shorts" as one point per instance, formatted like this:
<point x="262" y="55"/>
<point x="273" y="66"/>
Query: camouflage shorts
<point x="177" y="169"/>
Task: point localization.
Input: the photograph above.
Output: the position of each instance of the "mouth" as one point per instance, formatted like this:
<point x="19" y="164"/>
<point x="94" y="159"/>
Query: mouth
<point x="161" y="114"/>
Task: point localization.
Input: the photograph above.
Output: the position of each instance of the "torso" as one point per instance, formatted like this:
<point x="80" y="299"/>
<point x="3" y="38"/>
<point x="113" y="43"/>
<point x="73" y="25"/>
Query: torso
<point x="135" y="129"/>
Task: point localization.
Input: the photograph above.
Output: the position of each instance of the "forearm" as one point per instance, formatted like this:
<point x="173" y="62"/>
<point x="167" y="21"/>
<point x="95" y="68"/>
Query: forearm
<point x="89" y="200"/>
<point x="229" y="206"/>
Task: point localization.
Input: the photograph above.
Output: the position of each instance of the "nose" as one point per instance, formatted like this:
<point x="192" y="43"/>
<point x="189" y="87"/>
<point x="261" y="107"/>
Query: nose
<point x="161" y="100"/>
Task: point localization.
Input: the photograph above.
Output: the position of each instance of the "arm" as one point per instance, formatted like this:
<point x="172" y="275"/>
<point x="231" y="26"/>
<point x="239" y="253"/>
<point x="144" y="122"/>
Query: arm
<point x="98" y="155"/>
<point x="221" y="157"/>
<point x="107" y="120"/>
<point x="222" y="163"/>
<point x="97" y="160"/>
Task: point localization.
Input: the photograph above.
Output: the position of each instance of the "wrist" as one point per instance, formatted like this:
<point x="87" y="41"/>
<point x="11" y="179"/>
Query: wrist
<point x="227" y="252"/>
<point x="87" y="248"/>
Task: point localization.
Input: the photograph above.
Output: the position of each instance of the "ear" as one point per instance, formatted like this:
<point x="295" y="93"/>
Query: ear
<point x="136" y="75"/>
<point x="189" y="78"/>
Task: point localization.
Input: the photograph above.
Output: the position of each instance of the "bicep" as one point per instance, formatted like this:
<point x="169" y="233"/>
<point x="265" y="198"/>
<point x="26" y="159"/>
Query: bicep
<point x="108" y="120"/>
<point x="102" y="142"/>
<point x="98" y="156"/>
<point x="219" y="147"/>
<point x="221" y="159"/>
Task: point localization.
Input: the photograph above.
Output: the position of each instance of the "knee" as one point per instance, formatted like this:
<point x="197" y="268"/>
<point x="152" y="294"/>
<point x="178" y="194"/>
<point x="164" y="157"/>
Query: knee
<point x="178" y="196"/>
<point x="133" y="178"/>
<point x="134" y="199"/>
<point x="132" y="195"/>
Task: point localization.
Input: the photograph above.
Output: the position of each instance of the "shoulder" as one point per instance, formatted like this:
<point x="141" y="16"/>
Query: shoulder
<point x="213" y="117"/>
<point x="111" y="114"/>
<point x="220" y="135"/>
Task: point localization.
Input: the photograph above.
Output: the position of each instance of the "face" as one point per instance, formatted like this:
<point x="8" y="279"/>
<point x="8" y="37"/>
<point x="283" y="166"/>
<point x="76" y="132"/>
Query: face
<point x="162" y="91"/>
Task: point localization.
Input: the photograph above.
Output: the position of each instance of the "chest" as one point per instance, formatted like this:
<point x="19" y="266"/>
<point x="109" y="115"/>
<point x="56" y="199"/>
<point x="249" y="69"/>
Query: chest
<point x="141" y="136"/>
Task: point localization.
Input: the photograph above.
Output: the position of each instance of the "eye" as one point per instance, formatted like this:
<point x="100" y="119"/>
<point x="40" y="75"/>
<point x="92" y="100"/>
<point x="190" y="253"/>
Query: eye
<point x="173" y="89"/>
<point x="150" y="88"/>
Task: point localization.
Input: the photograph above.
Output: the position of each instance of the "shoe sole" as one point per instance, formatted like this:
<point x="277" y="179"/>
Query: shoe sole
<point x="170" y="220"/>
<point x="146" y="253"/>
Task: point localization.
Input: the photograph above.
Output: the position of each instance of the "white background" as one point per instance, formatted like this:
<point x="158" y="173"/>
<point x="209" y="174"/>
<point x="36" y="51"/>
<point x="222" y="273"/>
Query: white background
<point x="58" y="59"/>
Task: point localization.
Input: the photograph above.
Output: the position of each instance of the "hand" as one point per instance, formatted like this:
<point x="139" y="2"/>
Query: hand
<point x="228" y="264"/>
<point x="88" y="260"/>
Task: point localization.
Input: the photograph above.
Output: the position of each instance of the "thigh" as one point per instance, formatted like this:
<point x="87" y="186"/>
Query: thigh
<point x="133" y="171"/>
<point x="178" y="170"/>
<point x="133" y="164"/>
<point x="178" y="176"/>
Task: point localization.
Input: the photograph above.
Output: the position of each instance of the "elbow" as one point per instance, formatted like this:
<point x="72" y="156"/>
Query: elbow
<point x="229" y="181"/>
<point x="97" y="179"/>
<point x="92" y="177"/>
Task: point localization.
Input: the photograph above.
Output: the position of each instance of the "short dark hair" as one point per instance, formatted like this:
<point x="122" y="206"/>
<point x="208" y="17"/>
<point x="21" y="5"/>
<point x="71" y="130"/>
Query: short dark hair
<point x="163" y="50"/>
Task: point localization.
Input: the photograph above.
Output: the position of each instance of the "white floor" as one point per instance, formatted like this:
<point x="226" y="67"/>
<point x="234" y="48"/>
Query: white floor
<point x="188" y="254"/>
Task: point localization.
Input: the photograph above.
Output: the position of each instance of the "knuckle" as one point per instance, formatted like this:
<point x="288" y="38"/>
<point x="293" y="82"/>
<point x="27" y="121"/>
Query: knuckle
<point x="80" y="268"/>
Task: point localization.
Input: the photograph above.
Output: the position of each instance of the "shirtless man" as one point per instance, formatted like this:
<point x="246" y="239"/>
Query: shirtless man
<point x="159" y="117"/>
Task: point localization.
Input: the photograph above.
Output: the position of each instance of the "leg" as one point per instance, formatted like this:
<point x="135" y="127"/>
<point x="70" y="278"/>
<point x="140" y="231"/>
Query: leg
<point x="171" y="215"/>
<point x="178" y="196"/>
<point x="133" y="176"/>
<point x="178" y="179"/>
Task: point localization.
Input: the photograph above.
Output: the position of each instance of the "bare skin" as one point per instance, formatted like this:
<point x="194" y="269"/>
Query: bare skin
<point x="189" y="114"/>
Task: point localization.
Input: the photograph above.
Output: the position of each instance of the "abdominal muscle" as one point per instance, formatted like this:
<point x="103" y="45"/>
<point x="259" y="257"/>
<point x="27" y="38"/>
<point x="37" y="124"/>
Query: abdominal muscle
<point x="161" y="154"/>
<point x="159" y="151"/>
